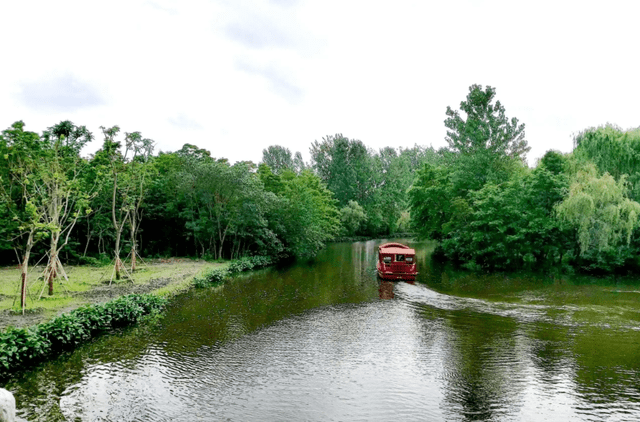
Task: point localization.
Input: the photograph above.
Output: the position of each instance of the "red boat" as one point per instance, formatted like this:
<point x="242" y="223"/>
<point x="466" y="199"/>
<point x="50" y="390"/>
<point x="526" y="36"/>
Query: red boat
<point x="396" y="262"/>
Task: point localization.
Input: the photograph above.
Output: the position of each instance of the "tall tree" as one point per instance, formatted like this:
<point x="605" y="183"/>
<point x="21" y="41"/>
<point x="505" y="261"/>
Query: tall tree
<point x="21" y="224"/>
<point x="217" y="193"/>
<point x="345" y="166"/>
<point x="139" y="169"/>
<point x="114" y="167"/>
<point x="278" y="158"/>
<point x="486" y="129"/>
<point x="298" y="163"/>
<point x="306" y="217"/>
<point x="64" y="198"/>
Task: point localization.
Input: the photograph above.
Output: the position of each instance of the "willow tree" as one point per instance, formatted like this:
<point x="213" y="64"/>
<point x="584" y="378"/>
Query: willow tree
<point x="598" y="208"/>
<point x="614" y="151"/>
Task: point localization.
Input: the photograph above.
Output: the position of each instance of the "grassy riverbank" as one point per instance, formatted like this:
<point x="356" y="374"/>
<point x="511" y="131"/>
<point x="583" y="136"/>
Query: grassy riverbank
<point x="90" y="306"/>
<point x="90" y="285"/>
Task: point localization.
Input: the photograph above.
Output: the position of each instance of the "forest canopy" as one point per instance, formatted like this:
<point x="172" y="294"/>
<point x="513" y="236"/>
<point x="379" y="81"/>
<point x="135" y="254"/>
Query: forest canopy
<point x="477" y="197"/>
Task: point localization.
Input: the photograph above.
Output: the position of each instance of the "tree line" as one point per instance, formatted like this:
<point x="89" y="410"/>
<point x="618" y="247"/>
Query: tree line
<point x="490" y="211"/>
<point x="476" y="196"/>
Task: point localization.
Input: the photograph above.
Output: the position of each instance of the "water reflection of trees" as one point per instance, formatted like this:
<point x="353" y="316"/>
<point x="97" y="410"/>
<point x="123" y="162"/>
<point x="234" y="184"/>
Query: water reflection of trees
<point x="489" y="361"/>
<point x="482" y="365"/>
<point x="255" y="300"/>
<point x="607" y="362"/>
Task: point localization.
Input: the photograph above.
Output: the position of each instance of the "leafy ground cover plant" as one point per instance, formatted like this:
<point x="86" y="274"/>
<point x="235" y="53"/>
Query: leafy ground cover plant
<point x="217" y="275"/>
<point x="22" y="347"/>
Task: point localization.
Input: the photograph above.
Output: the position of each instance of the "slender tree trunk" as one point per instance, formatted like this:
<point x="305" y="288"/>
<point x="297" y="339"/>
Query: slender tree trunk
<point x="118" y="228"/>
<point x="133" y="240"/>
<point x="221" y="235"/>
<point x="25" y="272"/>
<point x="52" y="272"/>
<point x="118" y="263"/>
<point x="54" y="219"/>
<point x="86" y="246"/>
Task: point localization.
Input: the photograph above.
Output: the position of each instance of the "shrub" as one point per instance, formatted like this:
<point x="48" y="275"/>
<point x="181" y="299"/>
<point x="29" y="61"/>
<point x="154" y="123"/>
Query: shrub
<point x="217" y="275"/>
<point x="240" y="265"/>
<point x="209" y="277"/>
<point x="94" y="317"/>
<point x="260" y="261"/>
<point x="65" y="331"/>
<point x="249" y="263"/>
<point x="21" y="347"/>
<point x="129" y="309"/>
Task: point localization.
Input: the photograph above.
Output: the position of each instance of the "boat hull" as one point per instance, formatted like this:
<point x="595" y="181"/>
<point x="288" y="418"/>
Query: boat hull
<point x="396" y="275"/>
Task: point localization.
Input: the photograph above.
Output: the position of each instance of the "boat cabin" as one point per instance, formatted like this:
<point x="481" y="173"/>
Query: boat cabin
<point x="396" y="262"/>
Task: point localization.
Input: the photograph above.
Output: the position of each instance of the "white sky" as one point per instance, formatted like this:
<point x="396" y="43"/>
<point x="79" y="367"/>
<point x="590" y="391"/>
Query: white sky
<point x="237" y="76"/>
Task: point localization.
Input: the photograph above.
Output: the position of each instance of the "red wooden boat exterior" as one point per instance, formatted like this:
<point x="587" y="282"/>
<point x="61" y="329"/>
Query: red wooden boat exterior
<point x="396" y="262"/>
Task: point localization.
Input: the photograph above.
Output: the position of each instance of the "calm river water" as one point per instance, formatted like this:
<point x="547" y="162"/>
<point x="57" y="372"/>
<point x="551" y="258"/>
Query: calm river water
<point x="327" y="341"/>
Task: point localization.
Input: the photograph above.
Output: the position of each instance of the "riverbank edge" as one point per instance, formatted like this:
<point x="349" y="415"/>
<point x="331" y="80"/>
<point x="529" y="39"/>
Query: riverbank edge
<point x="343" y="239"/>
<point x="23" y="348"/>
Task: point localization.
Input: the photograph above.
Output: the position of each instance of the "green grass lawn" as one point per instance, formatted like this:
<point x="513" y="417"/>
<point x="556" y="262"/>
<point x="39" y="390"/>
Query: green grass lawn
<point x="88" y="284"/>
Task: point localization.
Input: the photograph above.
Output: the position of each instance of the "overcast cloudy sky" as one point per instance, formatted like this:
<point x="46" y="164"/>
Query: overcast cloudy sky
<point x="237" y="76"/>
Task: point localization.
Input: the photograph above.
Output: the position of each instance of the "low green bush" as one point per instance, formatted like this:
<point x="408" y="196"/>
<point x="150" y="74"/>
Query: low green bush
<point x="20" y="347"/>
<point x="211" y="277"/>
<point x="217" y="275"/>
<point x="249" y="263"/>
<point x="240" y="265"/>
<point x="65" y="332"/>
<point x="24" y="346"/>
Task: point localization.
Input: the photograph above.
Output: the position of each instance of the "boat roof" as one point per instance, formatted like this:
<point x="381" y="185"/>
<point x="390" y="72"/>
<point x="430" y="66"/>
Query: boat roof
<point x="396" y="248"/>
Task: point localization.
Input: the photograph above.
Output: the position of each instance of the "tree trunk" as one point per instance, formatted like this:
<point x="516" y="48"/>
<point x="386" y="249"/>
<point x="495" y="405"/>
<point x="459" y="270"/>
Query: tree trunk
<point x="86" y="246"/>
<point x="118" y="263"/>
<point x="52" y="267"/>
<point x="133" y="258"/>
<point x="24" y="274"/>
<point x="133" y="240"/>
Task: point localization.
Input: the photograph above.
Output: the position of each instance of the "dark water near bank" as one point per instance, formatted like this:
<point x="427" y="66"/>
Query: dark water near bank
<point x="328" y="341"/>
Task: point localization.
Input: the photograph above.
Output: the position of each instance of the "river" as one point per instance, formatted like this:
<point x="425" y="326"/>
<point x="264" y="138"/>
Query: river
<point x="327" y="341"/>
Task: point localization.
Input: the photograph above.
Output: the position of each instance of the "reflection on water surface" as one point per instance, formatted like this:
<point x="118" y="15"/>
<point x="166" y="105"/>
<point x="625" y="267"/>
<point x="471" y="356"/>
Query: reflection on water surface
<point x="328" y="341"/>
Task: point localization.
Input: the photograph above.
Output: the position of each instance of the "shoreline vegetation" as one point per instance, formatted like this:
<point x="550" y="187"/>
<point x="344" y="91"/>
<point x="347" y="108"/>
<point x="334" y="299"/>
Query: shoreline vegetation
<point x="23" y="347"/>
<point x="488" y="210"/>
<point x="571" y="212"/>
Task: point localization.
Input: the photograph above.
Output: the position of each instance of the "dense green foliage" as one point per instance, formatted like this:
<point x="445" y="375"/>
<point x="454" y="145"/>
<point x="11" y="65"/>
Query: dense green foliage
<point x="490" y="211"/>
<point x="374" y="182"/>
<point x="123" y="201"/>
<point x="477" y="197"/>
<point x="613" y="151"/>
<point x="21" y="347"/>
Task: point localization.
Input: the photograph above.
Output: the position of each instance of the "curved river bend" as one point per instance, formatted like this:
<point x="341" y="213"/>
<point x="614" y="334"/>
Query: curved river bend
<point x="327" y="341"/>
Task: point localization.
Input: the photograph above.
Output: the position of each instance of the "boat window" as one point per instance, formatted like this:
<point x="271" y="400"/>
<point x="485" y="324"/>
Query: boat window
<point x="386" y="259"/>
<point x="409" y="259"/>
<point x="399" y="258"/>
